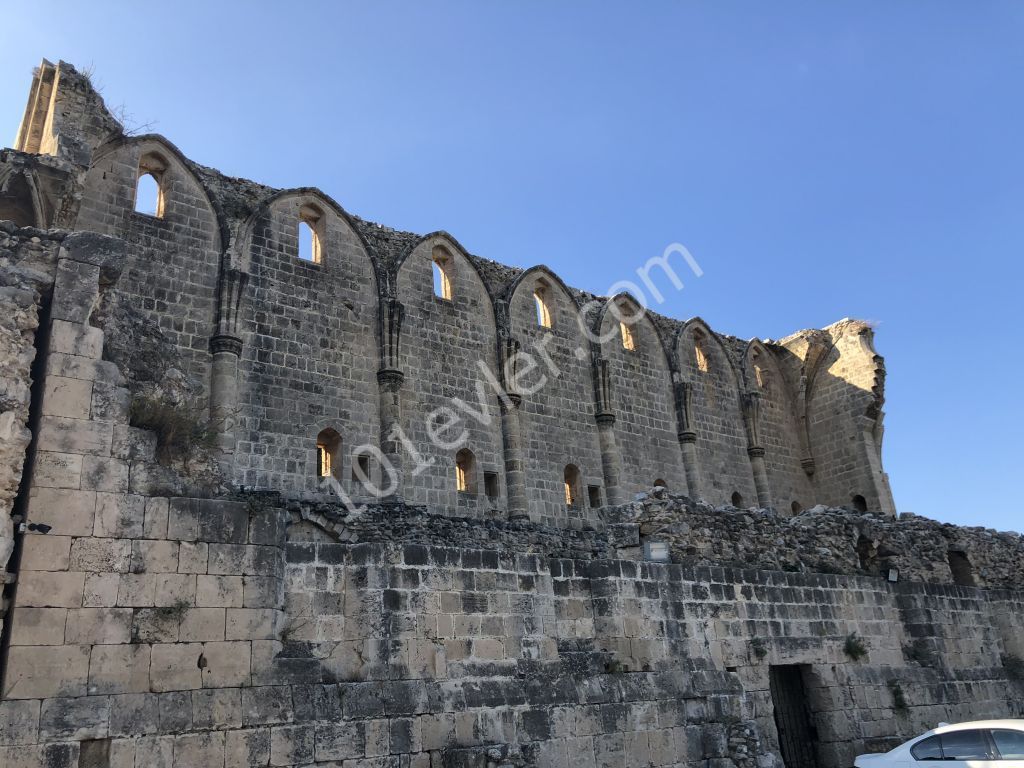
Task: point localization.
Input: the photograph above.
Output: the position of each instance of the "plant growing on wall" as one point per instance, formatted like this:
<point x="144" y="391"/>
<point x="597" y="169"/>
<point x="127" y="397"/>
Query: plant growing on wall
<point x="899" y="699"/>
<point x="855" y="647"/>
<point x="179" y="427"/>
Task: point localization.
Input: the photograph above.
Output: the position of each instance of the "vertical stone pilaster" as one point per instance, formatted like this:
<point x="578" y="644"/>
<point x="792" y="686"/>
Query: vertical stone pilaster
<point x="390" y="382"/>
<point x="683" y="392"/>
<point x="224" y="393"/>
<point x="515" y="469"/>
<point x="611" y="458"/>
<point x="751" y="420"/>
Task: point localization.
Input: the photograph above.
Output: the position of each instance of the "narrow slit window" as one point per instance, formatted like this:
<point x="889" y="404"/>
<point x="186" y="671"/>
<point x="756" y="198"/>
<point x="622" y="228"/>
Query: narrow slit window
<point x="594" y="496"/>
<point x="759" y="376"/>
<point x="702" y="357"/>
<point x="465" y="468"/>
<point x="628" y="342"/>
<point x="540" y="297"/>
<point x="328" y="446"/>
<point x="491" y="485"/>
<point x="361" y="470"/>
<point x="571" y="477"/>
<point x="310" y="230"/>
<point x="442" y="275"/>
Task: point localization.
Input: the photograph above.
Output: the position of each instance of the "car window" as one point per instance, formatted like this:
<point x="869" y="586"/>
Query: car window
<point x="1010" y="744"/>
<point x="965" y="745"/>
<point x="929" y="749"/>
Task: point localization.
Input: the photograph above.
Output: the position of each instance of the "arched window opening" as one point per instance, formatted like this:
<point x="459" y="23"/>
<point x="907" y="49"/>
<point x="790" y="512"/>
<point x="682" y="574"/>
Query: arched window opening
<point x="442" y="264"/>
<point x="310" y="230"/>
<point x="628" y="342"/>
<point x="149" y="187"/>
<point x="961" y="568"/>
<point x="659" y="483"/>
<point x="737" y="500"/>
<point x="700" y="354"/>
<point x="571" y="477"/>
<point x="541" y="296"/>
<point x="860" y="503"/>
<point x="465" y="471"/>
<point x="328" y="454"/>
<point x="796" y="508"/>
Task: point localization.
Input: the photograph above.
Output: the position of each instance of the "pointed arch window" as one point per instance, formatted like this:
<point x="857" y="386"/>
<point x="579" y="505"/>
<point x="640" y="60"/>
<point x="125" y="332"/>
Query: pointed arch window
<point x="701" y="355"/>
<point x="628" y="340"/>
<point x="149" y="186"/>
<point x="442" y="263"/>
<point x="311" y="225"/>
<point x="542" y="299"/>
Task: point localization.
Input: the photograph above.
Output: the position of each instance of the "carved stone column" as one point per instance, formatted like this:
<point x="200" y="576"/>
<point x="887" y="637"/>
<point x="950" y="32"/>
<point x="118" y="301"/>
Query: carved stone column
<point x="512" y="445"/>
<point x="611" y="457"/>
<point x="226" y="349"/>
<point x="683" y="392"/>
<point x="389" y="382"/>
<point x="751" y="418"/>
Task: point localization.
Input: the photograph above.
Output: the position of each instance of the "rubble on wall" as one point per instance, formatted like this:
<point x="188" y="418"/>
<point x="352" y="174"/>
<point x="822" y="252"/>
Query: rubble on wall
<point x="819" y="540"/>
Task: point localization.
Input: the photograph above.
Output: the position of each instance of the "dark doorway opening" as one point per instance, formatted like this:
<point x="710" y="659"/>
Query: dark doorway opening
<point x="797" y="734"/>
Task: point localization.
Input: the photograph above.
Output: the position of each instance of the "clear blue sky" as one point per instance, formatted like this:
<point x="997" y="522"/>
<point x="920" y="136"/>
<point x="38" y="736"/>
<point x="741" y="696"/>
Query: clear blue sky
<point x="820" y="160"/>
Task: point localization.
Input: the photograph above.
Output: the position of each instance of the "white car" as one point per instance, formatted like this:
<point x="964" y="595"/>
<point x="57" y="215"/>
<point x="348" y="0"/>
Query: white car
<point x="981" y="744"/>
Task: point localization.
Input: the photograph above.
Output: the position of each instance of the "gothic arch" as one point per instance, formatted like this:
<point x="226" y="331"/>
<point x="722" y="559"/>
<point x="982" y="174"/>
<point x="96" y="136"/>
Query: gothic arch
<point x="20" y="201"/>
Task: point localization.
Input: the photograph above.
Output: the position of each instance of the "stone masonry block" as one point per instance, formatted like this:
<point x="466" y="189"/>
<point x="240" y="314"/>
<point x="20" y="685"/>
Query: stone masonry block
<point x="201" y="625"/>
<point x="69" y="512"/>
<point x="183" y="519"/>
<point x="217" y="708"/>
<point x="38" y="626"/>
<point x="104" y="474"/>
<point x="291" y="744"/>
<point x="133" y="444"/>
<point x="155" y="524"/>
<point x="57" y="470"/>
<point x="192" y="557"/>
<point x="67" y="435"/>
<point x="119" y="669"/>
<point x="98" y="626"/>
<point x="101" y="555"/>
<point x="175" y="667"/>
<point x="46" y="553"/>
<point x="134" y="714"/>
<point x="76" y="339"/>
<point x="227" y="664"/>
<point x="68" y="397"/>
<point x="87" y="717"/>
<point x="219" y="591"/>
<point x="246" y="748"/>
<point x="110" y="402"/>
<point x="19" y="722"/>
<point x="61" y="589"/>
<point x="251" y="623"/>
<point x="119" y="515"/>
<point x="155" y="556"/>
<point x="44" y="671"/>
<point x="100" y="590"/>
<point x="75" y="291"/>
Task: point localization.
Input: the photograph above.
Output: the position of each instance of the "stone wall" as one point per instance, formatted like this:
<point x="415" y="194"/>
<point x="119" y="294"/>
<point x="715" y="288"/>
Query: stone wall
<point x="282" y="348"/>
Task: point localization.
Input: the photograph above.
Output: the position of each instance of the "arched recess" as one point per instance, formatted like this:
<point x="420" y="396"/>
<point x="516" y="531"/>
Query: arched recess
<point x="778" y="426"/>
<point x="717" y="415"/>
<point x="447" y="346"/>
<point x="310" y="348"/>
<point x="557" y="383"/>
<point x="19" y="199"/>
<point x="171" y="270"/>
<point x="642" y="395"/>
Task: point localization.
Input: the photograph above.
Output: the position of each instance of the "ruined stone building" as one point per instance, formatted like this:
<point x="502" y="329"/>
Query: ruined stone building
<point x="576" y="533"/>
